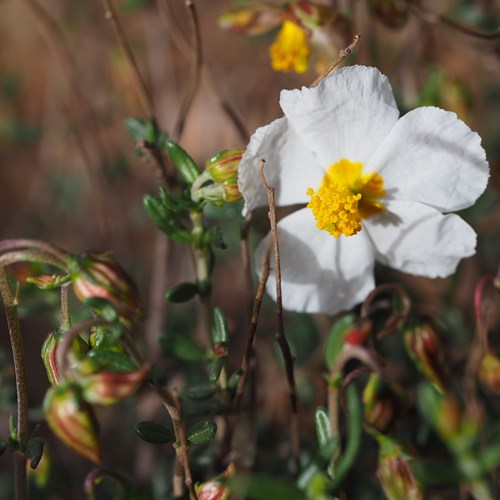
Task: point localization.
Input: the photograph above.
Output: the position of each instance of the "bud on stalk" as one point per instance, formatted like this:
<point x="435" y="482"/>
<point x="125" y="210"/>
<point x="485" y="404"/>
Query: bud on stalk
<point x="214" y="490"/>
<point x="489" y="372"/>
<point x="223" y="166"/>
<point x="73" y="420"/>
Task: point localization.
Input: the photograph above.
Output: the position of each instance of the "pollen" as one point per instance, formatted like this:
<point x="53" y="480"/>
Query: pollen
<point x="290" y="51"/>
<point x="346" y="197"/>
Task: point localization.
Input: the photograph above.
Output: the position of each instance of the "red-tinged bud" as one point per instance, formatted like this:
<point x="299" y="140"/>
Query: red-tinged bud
<point x="99" y="276"/>
<point x="49" y="357"/>
<point x="358" y="335"/>
<point x="224" y="165"/>
<point x="383" y="403"/>
<point x="49" y="281"/>
<point x="252" y="20"/>
<point x="214" y="490"/>
<point x="489" y="372"/>
<point x="72" y="419"/>
<point x="394" y="471"/>
<point x="220" y="350"/>
<point x="231" y="191"/>
<point x="107" y="388"/>
<point x="426" y="351"/>
<point x="310" y="15"/>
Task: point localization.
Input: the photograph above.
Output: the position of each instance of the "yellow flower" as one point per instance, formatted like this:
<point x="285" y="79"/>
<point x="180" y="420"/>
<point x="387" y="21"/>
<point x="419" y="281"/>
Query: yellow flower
<point x="290" y="51"/>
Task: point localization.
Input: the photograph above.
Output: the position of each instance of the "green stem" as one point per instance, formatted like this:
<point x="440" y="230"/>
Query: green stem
<point x="20" y="374"/>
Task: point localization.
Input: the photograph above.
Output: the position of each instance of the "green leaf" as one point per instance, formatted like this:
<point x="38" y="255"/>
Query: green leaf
<point x="151" y="432"/>
<point x="264" y="488"/>
<point x="429" y="403"/>
<point x="335" y="341"/>
<point x="182" y="292"/>
<point x="140" y="130"/>
<point x="182" y="347"/>
<point x="112" y="361"/>
<point x="203" y="432"/>
<point x="34" y="451"/>
<point x="182" y="161"/>
<point x="353" y="439"/>
<point x="323" y="428"/>
<point x="234" y="379"/>
<point x="215" y="368"/>
<point x="219" y="331"/>
<point x="204" y="390"/>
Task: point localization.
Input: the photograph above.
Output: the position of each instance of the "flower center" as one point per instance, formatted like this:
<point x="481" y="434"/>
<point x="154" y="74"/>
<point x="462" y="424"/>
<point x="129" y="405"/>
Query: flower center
<point x="345" y="197"/>
<point x="290" y="51"/>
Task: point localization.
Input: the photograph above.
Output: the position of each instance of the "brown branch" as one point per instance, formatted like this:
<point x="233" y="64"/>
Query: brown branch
<point x="342" y="55"/>
<point x="247" y="356"/>
<point x="280" y="335"/>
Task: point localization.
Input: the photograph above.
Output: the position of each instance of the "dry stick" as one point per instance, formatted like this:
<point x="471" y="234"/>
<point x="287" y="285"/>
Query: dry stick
<point x="54" y="39"/>
<point x="16" y="341"/>
<point x="280" y="335"/>
<point x="137" y="80"/>
<point x="188" y="102"/>
<point x="183" y="43"/>
<point x="342" y="55"/>
<point x="245" y="363"/>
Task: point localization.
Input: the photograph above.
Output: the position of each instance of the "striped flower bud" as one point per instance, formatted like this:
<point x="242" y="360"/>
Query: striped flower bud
<point x="223" y="166"/>
<point x="214" y="490"/>
<point x="72" y="419"/>
<point x="49" y="357"/>
<point x="99" y="276"/>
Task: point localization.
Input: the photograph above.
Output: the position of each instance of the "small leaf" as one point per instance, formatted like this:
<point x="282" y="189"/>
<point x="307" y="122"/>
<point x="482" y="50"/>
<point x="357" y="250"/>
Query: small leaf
<point x="203" y="432"/>
<point x="182" y="347"/>
<point x="34" y="451"/>
<point x="335" y="341"/>
<point x="234" y="379"/>
<point x="264" y="488"/>
<point x="323" y="428"/>
<point x="204" y="390"/>
<point x="182" y="161"/>
<point x="151" y="432"/>
<point x="219" y="331"/>
<point x="182" y="292"/>
<point x="215" y="368"/>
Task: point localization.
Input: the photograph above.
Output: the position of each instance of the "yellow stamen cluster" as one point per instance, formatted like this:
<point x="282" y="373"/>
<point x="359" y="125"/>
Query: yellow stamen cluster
<point x="345" y="197"/>
<point x="290" y="51"/>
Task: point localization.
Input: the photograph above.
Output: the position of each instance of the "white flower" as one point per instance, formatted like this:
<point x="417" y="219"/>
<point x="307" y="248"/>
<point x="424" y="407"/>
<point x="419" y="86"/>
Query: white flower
<point x="378" y="187"/>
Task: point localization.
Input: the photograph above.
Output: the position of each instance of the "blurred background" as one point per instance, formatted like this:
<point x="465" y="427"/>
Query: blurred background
<point x="70" y="175"/>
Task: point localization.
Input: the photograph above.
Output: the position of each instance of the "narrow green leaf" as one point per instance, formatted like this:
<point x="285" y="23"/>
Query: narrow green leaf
<point x="203" y="432"/>
<point x="182" y="161"/>
<point x="234" y="379"/>
<point x="335" y="341"/>
<point x="220" y="333"/>
<point x="182" y="292"/>
<point x="264" y="488"/>
<point x="151" y="432"/>
<point x="34" y="451"/>
<point x="323" y="428"/>
<point x="353" y="439"/>
<point x="215" y="368"/>
<point x="182" y="347"/>
<point x="429" y="402"/>
<point x="204" y="390"/>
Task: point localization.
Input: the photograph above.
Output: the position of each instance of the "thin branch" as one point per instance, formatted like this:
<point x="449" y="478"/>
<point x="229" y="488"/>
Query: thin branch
<point x="65" y="315"/>
<point x="342" y="55"/>
<point x="280" y="335"/>
<point x="245" y="363"/>
<point x="188" y="102"/>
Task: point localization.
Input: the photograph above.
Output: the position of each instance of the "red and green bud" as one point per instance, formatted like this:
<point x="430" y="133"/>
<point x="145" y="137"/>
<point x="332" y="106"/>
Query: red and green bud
<point x="489" y="372"/>
<point x="49" y="357"/>
<point x="72" y="419"/>
<point x="99" y="276"/>
<point x="49" y="281"/>
<point x="252" y="20"/>
<point x="426" y="351"/>
<point x="231" y="191"/>
<point x="309" y="15"/>
<point x="107" y="388"/>
<point x="394" y="471"/>
<point x="213" y="489"/>
<point x="383" y="403"/>
<point x="224" y="165"/>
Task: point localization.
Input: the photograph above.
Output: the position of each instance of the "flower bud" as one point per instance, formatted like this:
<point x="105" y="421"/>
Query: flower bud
<point x="253" y="19"/>
<point x="223" y="166"/>
<point x="425" y="349"/>
<point x="99" y="276"/>
<point x="49" y="357"/>
<point x="489" y="372"/>
<point x="231" y="191"/>
<point x="214" y="490"/>
<point x="73" y="420"/>
<point x="49" y="281"/>
<point x="383" y="403"/>
<point x="107" y="388"/>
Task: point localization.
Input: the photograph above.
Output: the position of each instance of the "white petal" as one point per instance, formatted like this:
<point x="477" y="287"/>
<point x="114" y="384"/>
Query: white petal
<point x="432" y="157"/>
<point x="290" y="167"/>
<point x="418" y="239"/>
<point x="319" y="273"/>
<point x="346" y="116"/>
